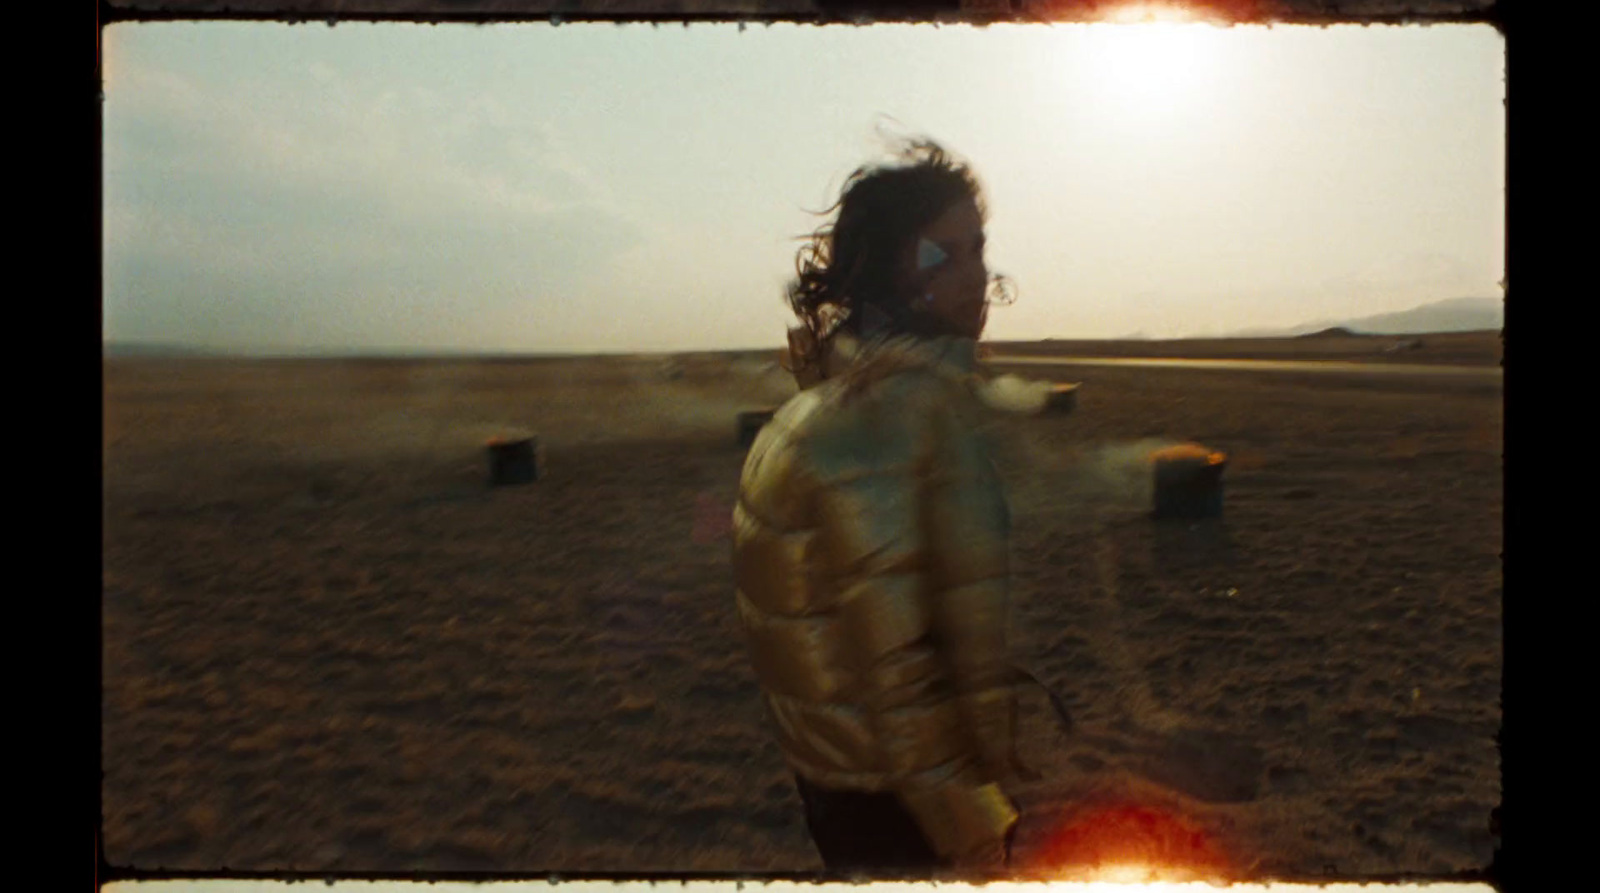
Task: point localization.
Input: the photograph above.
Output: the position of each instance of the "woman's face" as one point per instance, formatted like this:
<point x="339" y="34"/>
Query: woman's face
<point x="944" y="272"/>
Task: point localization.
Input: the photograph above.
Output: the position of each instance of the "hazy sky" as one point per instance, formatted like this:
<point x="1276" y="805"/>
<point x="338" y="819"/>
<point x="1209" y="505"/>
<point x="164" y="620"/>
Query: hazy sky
<point x="622" y="188"/>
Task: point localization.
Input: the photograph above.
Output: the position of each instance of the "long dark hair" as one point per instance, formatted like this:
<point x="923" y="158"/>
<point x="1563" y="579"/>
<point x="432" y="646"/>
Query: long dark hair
<point x="845" y="271"/>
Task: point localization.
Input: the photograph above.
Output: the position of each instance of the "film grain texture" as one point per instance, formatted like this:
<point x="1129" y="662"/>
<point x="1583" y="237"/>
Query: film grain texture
<point x="330" y="645"/>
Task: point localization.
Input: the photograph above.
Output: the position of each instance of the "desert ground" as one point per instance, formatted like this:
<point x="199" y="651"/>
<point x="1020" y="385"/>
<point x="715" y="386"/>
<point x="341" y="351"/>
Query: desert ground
<point x="329" y="645"/>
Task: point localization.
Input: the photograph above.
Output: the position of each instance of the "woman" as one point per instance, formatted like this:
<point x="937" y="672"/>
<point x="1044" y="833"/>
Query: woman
<point x="871" y="535"/>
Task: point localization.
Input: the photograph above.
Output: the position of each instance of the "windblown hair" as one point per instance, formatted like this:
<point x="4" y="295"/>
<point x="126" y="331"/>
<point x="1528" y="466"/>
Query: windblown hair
<point x="846" y="270"/>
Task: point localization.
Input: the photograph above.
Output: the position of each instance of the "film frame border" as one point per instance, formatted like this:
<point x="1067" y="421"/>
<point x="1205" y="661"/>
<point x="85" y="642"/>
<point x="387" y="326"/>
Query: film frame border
<point x="1495" y="13"/>
<point x="820" y="12"/>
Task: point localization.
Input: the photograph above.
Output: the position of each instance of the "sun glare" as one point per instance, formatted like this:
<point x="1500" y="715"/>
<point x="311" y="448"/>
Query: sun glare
<point x="1123" y="843"/>
<point x="1143" y="70"/>
<point x="1134" y="13"/>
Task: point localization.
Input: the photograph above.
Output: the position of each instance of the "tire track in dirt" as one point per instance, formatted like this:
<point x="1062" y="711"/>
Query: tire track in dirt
<point x="1113" y="642"/>
<point x="1150" y="739"/>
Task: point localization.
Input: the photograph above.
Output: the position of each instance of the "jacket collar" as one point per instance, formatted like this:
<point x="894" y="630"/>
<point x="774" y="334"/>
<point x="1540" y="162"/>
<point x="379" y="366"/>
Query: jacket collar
<point x="954" y="356"/>
<point x="845" y="355"/>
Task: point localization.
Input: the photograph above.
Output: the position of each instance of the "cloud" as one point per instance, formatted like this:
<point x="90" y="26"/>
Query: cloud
<point x="360" y="201"/>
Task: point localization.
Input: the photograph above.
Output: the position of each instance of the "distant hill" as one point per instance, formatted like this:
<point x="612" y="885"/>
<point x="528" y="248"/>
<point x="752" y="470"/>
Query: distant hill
<point x="1453" y="315"/>
<point x="151" y="350"/>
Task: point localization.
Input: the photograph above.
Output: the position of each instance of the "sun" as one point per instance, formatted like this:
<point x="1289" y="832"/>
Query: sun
<point x="1151" y="68"/>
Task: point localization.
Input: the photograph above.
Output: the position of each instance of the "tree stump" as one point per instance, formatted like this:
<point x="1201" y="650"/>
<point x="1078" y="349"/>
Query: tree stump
<point x="514" y="461"/>
<point x="1188" y="482"/>
<point x="1063" y="399"/>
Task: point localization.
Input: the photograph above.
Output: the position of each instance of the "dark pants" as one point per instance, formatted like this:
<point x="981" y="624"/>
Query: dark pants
<point x="858" y="830"/>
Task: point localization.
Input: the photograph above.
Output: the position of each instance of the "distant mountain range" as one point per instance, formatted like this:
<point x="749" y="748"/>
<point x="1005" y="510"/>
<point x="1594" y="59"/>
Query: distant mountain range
<point x="1453" y="315"/>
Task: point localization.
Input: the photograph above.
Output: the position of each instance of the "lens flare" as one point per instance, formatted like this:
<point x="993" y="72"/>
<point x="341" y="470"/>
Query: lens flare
<point x="1133" y="843"/>
<point x="1149" y="13"/>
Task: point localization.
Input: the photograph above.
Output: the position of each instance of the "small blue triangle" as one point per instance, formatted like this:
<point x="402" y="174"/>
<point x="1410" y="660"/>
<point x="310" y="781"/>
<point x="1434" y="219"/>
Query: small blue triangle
<point x="929" y="255"/>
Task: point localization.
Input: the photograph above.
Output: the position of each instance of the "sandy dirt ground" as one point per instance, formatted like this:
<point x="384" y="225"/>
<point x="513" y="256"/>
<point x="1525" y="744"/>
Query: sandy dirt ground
<point x="329" y="645"/>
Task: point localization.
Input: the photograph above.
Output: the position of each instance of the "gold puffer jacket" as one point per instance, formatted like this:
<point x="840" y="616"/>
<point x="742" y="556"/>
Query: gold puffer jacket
<point x="871" y="554"/>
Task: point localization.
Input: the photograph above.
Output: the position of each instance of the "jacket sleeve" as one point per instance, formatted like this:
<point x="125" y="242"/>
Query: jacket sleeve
<point x="891" y="620"/>
<point x="968" y="530"/>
